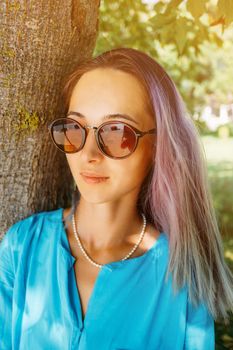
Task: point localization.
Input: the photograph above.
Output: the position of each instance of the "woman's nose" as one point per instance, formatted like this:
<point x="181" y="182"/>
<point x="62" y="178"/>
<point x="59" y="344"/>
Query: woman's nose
<point x="90" y="148"/>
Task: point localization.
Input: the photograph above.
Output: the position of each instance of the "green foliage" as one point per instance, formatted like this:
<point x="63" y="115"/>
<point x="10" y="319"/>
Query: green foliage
<point x="169" y="22"/>
<point x="196" y="7"/>
<point x="221" y="181"/>
<point x="224" y="333"/>
<point x="225" y="11"/>
<point x="175" y="33"/>
<point x="220" y="170"/>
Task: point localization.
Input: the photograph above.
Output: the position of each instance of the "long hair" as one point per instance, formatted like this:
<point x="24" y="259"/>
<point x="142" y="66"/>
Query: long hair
<point x="175" y="196"/>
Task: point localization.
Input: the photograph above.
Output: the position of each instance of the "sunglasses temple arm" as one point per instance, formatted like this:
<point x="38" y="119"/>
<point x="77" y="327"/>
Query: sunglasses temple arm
<point x="152" y="131"/>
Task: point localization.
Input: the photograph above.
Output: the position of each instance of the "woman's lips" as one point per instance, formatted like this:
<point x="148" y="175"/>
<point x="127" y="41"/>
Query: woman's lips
<point x="92" y="179"/>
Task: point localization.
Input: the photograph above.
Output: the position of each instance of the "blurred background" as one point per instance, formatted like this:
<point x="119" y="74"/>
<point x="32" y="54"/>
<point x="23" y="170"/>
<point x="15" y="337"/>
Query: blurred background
<point x="41" y="41"/>
<point x="193" y="40"/>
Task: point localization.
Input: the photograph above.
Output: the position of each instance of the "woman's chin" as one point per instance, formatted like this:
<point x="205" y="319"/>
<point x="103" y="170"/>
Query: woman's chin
<point x="94" y="198"/>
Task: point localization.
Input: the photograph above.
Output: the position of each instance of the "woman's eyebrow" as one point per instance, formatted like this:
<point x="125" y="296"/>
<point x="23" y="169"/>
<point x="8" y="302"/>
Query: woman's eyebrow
<point x="106" y="117"/>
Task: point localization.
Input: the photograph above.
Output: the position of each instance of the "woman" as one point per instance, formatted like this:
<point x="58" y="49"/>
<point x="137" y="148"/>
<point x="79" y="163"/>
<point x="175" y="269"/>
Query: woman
<point x="137" y="261"/>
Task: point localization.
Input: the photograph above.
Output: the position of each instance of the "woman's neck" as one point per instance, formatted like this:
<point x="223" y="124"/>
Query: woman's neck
<point x="107" y="226"/>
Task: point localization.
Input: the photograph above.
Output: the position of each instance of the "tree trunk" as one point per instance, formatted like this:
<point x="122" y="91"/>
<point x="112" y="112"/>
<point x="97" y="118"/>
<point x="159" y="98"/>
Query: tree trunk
<point x="41" y="41"/>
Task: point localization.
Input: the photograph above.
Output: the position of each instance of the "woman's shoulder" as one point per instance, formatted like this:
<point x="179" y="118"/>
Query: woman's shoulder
<point x="28" y="242"/>
<point x="32" y="225"/>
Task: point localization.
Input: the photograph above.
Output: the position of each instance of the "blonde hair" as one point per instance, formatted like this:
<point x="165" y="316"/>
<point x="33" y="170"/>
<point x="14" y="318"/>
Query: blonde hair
<point x="175" y="196"/>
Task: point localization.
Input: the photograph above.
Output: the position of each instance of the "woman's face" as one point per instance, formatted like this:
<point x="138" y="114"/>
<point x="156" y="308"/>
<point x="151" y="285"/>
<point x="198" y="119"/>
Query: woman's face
<point x="101" y="92"/>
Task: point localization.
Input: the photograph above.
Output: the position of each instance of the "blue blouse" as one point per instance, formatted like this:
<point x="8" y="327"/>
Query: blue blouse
<point x="131" y="306"/>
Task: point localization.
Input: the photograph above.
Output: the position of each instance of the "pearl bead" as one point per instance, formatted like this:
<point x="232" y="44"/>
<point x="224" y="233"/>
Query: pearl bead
<point x="126" y="257"/>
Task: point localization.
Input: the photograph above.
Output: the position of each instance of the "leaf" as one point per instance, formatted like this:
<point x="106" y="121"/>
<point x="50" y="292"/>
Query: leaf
<point x="181" y="34"/>
<point x="217" y="40"/>
<point x="172" y="5"/>
<point x="225" y="7"/>
<point x="167" y="35"/>
<point x="196" y="7"/>
<point x="160" y="21"/>
<point x="159" y="7"/>
<point x="217" y="21"/>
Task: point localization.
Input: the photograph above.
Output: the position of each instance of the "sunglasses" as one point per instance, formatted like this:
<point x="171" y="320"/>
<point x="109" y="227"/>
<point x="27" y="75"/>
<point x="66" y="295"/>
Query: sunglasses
<point x="115" y="139"/>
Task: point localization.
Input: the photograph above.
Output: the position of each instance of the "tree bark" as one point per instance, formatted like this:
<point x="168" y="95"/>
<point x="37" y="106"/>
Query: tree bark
<point x="41" y="41"/>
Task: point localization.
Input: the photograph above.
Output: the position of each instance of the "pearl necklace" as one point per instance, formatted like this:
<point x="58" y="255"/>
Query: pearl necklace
<point x="126" y="257"/>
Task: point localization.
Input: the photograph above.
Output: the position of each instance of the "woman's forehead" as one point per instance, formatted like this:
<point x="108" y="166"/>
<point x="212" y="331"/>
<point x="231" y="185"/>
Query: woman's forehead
<point x="108" y="91"/>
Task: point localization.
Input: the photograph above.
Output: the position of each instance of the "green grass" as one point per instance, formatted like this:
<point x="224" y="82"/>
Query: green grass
<point x="219" y="154"/>
<point x="218" y="150"/>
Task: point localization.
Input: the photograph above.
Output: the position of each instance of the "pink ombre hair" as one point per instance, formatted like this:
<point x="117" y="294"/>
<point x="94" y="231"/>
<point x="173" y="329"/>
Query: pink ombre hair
<point x="175" y="196"/>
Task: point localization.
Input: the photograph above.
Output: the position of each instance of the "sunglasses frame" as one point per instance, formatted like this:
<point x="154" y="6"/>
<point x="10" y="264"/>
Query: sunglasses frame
<point x="138" y="134"/>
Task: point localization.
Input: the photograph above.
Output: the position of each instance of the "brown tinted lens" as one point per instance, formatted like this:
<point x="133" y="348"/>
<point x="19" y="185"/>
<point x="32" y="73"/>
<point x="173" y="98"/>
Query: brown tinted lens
<point x="117" y="139"/>
<point x="67" y="135"/>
